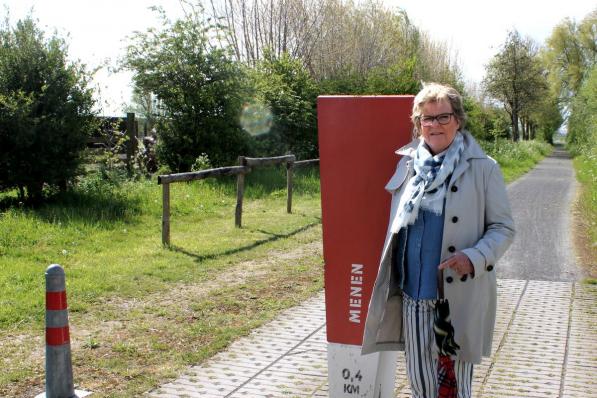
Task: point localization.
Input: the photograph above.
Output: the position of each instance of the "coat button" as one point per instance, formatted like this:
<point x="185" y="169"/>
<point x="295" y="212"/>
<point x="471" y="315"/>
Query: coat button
<point x="449" y="279"/>
<point x="454" y="188"/>
<point x="451" y="249"/>
<point x="489" y="267"/>
<point x="454" y="219"/>
<point x="464" y="277"/>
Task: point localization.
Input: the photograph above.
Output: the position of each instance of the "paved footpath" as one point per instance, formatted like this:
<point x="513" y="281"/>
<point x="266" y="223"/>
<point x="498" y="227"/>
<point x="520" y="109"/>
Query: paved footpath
<point x="545" y="345"/>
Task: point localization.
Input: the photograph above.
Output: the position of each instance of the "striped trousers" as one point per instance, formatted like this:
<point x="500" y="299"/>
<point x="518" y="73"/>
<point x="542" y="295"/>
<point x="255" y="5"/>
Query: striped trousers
<point x="421" y="353"/>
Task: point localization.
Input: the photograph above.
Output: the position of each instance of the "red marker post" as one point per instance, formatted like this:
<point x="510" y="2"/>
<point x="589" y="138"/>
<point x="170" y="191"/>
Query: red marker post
<point x="357" y="140"/>
<point x="59" y="369"/>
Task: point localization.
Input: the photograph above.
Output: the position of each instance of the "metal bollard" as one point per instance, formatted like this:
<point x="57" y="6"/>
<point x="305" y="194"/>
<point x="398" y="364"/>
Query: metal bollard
<point x="59" y="369"/>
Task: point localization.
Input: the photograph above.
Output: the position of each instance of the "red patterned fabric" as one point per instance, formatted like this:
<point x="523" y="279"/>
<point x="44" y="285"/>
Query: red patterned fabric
<point x="447" y="387"/>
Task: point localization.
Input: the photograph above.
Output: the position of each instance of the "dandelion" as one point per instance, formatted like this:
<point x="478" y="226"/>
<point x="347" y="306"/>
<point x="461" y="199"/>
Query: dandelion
<point x="64" y="252"/>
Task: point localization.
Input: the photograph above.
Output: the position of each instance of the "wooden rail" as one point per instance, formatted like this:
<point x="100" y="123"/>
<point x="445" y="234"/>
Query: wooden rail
<point x="244" y="167"/>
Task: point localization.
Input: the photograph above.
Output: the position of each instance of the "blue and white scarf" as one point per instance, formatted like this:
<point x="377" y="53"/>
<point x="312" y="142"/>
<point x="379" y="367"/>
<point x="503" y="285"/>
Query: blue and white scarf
<point x="427" y="189"/>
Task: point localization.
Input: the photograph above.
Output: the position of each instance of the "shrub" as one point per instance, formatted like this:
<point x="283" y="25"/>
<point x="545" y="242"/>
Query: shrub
<point x="45" y="111"/>
<point x="199" y="90"/>
<point x="285" y="88"/>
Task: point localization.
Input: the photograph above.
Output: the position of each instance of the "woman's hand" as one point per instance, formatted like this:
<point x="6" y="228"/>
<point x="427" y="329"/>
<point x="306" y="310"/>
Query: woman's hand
<point x="460" y="263"/>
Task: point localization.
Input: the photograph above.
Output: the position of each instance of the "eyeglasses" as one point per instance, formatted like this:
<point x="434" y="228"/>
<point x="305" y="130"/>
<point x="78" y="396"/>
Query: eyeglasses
<point x="442" y="118"/>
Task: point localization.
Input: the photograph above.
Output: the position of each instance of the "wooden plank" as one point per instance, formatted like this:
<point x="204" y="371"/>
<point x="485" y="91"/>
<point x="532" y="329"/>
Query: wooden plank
<point x="132" y="140"/>
<point x="269" y="161"/>
<point x="166" y="214"/>
<point x="299" y="163"/>
<point x="199" y="175"/>
<point x="240" y="192"/>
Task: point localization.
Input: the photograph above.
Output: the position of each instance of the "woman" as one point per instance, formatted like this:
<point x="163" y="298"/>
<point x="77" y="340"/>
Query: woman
<point x="449" y="223"/>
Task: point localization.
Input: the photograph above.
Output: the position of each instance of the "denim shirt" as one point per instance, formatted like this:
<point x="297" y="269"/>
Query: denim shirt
<point x="422" y="255"/>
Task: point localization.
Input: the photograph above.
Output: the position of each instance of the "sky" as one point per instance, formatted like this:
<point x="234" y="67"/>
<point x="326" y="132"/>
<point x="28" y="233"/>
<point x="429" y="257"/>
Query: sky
<point x="96" y="31"/>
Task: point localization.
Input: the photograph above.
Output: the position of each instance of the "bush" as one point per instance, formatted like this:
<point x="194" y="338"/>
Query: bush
<point x="45" y="111"/>
<point x="285" y="88"/>
<point x="582" y="124"/>
<point x="199" y="90"/>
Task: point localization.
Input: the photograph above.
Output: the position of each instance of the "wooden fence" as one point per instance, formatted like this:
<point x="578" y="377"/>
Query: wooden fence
<point x="244" y="167"/>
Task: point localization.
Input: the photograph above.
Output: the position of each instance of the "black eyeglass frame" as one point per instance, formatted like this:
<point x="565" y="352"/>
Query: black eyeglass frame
<point x="428" y="120"/>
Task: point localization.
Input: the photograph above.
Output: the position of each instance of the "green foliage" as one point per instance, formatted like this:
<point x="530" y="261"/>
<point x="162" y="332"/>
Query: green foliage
<point x="201" y="163"/>
<point x="582" y="123"/>
<point x="550" y="117"/>
<point x="515" y="78"/>
<point x="45" y="111"/>
<point x="485" y="122"/>
<point x="286" y="89"/>
<point x="515" y="158"/>
<point x="198" y="87"/>
<point x="586" y="172"/>
<point x="570" y="54"/>
<point x="397" y="78"/>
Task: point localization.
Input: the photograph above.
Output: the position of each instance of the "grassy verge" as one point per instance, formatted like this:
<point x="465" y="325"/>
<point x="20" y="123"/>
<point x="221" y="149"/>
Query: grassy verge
<point x="515" y="159"/>
<point x="586" y="209"/>
<point x="141" y="313"/>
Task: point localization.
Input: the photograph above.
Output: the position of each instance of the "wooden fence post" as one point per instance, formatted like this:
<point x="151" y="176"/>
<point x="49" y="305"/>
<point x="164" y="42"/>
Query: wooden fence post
<point x="289" y="170"/>
<point x="132" y="140"/>
<point x="240" y="191"/>
<point x="166" y="214"/>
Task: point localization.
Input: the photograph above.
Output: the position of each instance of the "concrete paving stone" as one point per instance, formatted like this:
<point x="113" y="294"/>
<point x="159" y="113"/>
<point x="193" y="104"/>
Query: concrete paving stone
<point x="250" y="363"/>
<point x="527" y="361"/>
<point x="245" y="393"/>
<point x="517" y="392"/>
<point x="222" y="380"/>
<point x="285" y="378"/>
<point x="296" y="386"/>
<point x="580" y="391"/>
<point x="526" y="374"/>
<point x="277" y="391"/>
<point x="513" y="368"/>
<point x="578" y="384"/>
<point x="217" y="386"/>
<point x="223" y="367"/>
<point x="302" y="366"/>
<point x="306" y="370"/>
<point x="309" y="346"/>
<point x="587" y="361"/>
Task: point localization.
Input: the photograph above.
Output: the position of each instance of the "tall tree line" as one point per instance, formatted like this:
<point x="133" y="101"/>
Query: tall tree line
<point x="333" y="38"/>
<point x="571" y="58"/>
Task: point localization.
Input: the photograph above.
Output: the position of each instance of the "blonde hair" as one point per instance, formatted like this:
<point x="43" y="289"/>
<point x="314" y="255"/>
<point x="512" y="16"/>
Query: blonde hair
<point x="436" y="92"/>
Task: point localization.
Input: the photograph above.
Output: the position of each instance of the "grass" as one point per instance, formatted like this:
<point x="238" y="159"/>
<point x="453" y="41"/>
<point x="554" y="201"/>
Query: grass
<point x="515" y="159"/>
<point x="585" y="165"/>
<point x="108" y="239"/>
<point x="140" y="314"/>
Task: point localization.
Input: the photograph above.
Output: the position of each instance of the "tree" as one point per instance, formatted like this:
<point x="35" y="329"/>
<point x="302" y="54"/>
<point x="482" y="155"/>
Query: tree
<point x="582" y="124"/>
<point x="199" y="87"/>
<point x="285" y="87"/>
<point x="515" y="77"/>
<point x="339" y="42"/>
<point x="45" y="111"/>
<point x="570" y="54"/>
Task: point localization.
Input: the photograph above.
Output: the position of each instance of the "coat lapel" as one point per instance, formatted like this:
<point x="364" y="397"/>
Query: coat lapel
<point x="472" y="150"/>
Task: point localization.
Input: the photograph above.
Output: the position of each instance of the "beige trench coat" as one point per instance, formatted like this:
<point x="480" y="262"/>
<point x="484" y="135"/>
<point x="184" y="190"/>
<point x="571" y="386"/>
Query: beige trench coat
<point x="477" y="222"/>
